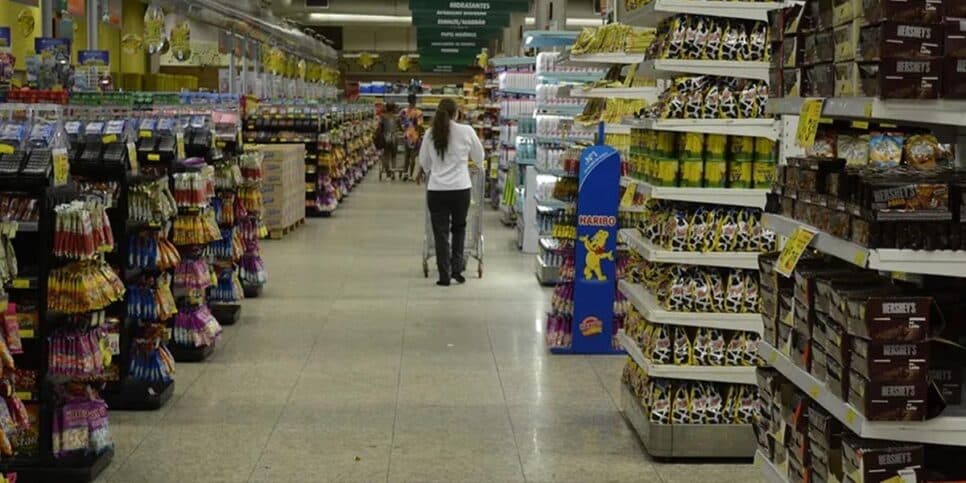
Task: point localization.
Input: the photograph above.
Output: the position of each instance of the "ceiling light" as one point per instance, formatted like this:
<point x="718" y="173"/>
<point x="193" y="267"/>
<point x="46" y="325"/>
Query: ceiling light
<point x="358" y="18"/>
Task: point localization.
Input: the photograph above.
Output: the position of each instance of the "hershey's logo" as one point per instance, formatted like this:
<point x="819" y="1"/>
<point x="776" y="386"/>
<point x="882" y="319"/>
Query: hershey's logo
<point x="941" y="375"/>
<point x="914" y="31"/>
<point x="899" y="192"/>
<point x="900" y="350"/>
<point x="898" y="391"/>
<point x="895" y="459"/>
<point x="913" y="67"/>
<point x="891" y="308"/>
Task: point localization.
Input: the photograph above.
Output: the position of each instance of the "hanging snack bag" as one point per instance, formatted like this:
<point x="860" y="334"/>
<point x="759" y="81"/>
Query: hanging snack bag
<point x="716" y="282"/>
<point x="692" y="49"/>
<point x="735" y="286"/>
<point x="678" y="298"/>
<point x="853" y="148"/>
<point x="660" y="402"/>
<point x="682" y="347"/>
<point x="699" y="404"/>
<point x="726" y="232"/>
<point x="750" y="304"/>
<point x="824" y="145"/>
<point x="746" y="222"/>
<point x="728" y="405"/>
<point x="712" y="47"/>
<point x="727" y="102"/>
<point x="677" y="230"/>
<point x="922" y="151"/>
<point x="677" y="33"/>
<point x="752" y="341"/>
<point x="736" y="349"/>
<point x="885" y="149"/>
<point x="712" y="102"/>
<point x="733" y="42"/>
<point x="681" y="409"/>
<point x="701" y="293"/>
<point x="717" y="348"/>
<point x="661" y="353"/>
<point x="712" y="410"/>
<point x="745" y="404"/>
<point x="748" y="107"/>
<point x="699" y="229"/>
<point x="757" y="45"/>
<point x="702" y="347"/>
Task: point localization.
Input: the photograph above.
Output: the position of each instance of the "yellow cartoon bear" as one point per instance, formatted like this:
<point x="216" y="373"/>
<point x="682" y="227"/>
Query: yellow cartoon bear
<point x="595" y="253"/>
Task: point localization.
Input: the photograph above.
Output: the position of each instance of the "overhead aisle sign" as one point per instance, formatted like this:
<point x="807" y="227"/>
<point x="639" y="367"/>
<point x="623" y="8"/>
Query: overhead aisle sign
<point x="490" y="5"/>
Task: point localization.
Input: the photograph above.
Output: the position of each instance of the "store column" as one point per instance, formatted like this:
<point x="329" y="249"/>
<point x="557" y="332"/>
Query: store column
<point x="551" y="14"/>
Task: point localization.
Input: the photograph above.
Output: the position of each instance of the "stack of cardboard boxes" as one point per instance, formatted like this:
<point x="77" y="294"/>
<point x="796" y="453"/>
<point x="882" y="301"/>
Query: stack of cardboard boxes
<point x="283" y="185"/>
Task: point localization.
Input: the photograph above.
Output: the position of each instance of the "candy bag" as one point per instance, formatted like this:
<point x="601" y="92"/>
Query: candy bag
<point x="682" y="347"/>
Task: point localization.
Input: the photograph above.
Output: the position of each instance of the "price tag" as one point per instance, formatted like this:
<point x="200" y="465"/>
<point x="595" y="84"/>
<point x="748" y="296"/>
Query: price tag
<point x="20" y="283"/>
<point x="793" y="250"/>
<point x="179" y="140"/>
<point x="132" y="157"/>
<point x="144" y="133"/>
<point x="167" y="333"/>
<point x="109" y="138"/>
<point x="154" y="157"/>
<point x="860" y="258"/>
<point x="866" y="114"/>
<point x="114" y="343"/>
<point x="26" y="333"/>
<point x="808" y="120"/>
<point x="628" y="197"/>
<point x="772" y="357"/>
<point x="24" y="395"/>
<point x="850" y="416"/>
<point x="814" y="391"/>
<point x="6" y="149"/>
<point x="61" y="166"/>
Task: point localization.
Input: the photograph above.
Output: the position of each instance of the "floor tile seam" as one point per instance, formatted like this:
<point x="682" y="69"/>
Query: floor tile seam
<point x="395" y="411"/>
<point x="288" y="400"/>
<point x="506" y="406"/>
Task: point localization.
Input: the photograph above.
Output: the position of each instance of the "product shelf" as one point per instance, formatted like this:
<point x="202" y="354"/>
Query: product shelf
<point x="649" y="94"/>
<point x="754" y="198"/>
<point x="655" y="12"/>
<point x="559" y="173"/>
<point x="566" y="59"/>
<point x="671" y="68"/>
<point x="649" y="307"/>
<point x="571" y="76"/>
<point x="549" y="38"/>
<point x="769" y="471"/>
<point x="610" y="128"/>
<point x="760" y="128"/>
<point x="547" y="274"/>
<point x="944" y="112"/>
<point x="520" y="91"/>
<point x="948" y="263"/>
<point x="687" y="440"/>
<point x="653" y="253"/>
<point x="512" y="61"/>
<point x="728" y="374"/>
<point x="946" y="430"/>
<point x="552" y="203"/>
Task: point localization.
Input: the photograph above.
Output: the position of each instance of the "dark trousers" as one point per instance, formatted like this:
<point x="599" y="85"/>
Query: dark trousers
<point x="447" y="211"/>
<point x="411" y="154"/>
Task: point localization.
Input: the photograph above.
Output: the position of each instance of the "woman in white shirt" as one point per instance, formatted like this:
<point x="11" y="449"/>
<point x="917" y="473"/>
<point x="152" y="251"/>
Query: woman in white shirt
<point x="444" y="156"/>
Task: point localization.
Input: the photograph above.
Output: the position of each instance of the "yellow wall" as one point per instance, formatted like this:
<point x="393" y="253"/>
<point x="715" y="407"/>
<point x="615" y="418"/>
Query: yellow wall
<point x="8" y="17"/>
<point x="109" y="38"/>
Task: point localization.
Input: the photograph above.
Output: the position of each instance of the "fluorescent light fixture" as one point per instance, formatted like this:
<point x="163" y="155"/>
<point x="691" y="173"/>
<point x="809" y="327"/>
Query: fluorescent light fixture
<point x="359" y="18"/>
<point x="573" y="22"/>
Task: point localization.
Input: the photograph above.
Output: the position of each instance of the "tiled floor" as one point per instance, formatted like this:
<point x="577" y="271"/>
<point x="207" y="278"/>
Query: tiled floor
<point x="353" y="367"/>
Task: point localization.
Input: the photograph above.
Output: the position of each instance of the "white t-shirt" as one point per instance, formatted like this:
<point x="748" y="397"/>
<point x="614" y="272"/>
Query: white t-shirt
<point x="451" y="172"/>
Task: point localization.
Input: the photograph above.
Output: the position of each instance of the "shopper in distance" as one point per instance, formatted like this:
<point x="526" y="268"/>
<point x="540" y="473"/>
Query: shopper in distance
<point x="412" y="123"/>
<point x="445" y="155"/>
<point x="388" y="136"/>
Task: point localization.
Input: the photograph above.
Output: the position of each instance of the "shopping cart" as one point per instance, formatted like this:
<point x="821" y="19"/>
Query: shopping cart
<point x="393" y="167"/>
<point x="474" y="226"/>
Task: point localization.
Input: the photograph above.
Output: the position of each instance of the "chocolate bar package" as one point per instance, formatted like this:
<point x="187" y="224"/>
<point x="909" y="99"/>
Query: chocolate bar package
<point x="819" y="80"/>
<point x="846" y="39"/>
<point x="889" y="361"/>
<point x="820" y="330"/>
<point x="956" y="74"/>
<point x="955" y="42"/>
<point x="804" y="319"/>
<point x="819" y="367"/>
<point x="896" y="40"/>
<point x="819" y="13"/>
<point x="901" y="79"/>
<point x="791" y="82"/>
<point x="846" y="79"/>
<point x="888" y="401"/>
<point x="793" y="51"/>
<point x="837" y="379"/>
<point x="924" y="11"/>
<point x="838" y="344"/>
<point x="819" y="47"/>
<point x="889" y="319"/>
<point x="875" y="461"/>
<point x="843" y="11"/>
<point x="801" y="350"/>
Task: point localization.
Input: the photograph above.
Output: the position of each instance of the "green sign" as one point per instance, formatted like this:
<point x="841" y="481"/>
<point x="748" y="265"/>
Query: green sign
<point x="489" y="5"/>
<point x="454" y="59"/>
<point x="467" y="22"/>
<point x="423" y="42"/>
<point x="450" y="33"/>
<point x="457" y="18"/>
<point x="449" y="51"/>
<point x="443" y="68"/>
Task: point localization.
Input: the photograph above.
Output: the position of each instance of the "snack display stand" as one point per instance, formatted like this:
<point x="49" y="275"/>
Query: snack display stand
<point x="515" y="85"/>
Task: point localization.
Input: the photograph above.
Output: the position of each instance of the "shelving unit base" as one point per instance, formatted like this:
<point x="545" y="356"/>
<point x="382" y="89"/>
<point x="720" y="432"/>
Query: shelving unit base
<point x="225" y="313"/>
<point x="60" y="474"/>
<point x="688" y="440"/>
<point x="253" y="291"/>
<point x="569" y="351"/>
<point x="190" y="354"/>
<point x="136" y="395"/>
<point x="547" y="275"/>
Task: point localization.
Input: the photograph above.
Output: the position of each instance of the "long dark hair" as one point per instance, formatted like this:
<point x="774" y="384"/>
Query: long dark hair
<point x="445" y="112"/>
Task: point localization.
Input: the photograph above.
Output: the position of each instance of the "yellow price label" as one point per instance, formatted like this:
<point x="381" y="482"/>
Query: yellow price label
<point x="179" y="143"/>
<point x="808" y="120"/>
<point x="866" y="114"/>
<point x="24" y="395"/>
<point x="628" y="198"/>
<point x="61" y="166"/>
<point x="793" y="250"/>
<point x="132" y="157"/>
<point x="6" y="149"/>
<point x="814" y="391"/>
<point x="20" y="283"/>
<point x="860" y="258"/>
<point x="145" y="133"/>
<point x="154" y="157"/>
<point x="26" y="333"/>
<point x="109" y="138"/>
<point x="772" y="357"/>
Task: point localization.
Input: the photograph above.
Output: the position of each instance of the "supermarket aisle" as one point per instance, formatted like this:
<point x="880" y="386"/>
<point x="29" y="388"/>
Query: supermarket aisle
<point x="353" y="367"/>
